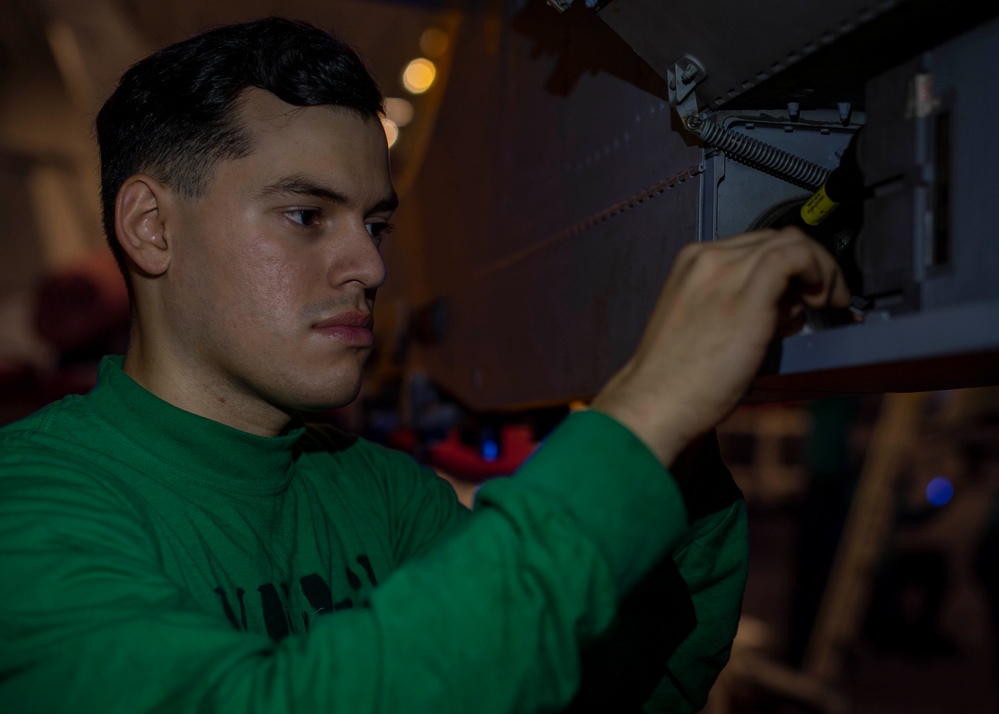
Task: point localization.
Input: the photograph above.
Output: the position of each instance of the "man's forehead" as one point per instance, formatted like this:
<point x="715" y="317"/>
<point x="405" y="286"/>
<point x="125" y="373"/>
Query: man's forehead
<point x="258" y="109"/>
<point x="303" y="150"/>
<point x="258" y="106"/>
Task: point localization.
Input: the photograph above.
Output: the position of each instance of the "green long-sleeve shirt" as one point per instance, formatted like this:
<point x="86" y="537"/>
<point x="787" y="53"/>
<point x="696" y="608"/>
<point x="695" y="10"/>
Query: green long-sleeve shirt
<point x="153" y="560"/>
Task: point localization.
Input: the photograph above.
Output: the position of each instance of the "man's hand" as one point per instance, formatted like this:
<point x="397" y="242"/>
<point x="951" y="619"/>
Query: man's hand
<point x="709" y="332"/>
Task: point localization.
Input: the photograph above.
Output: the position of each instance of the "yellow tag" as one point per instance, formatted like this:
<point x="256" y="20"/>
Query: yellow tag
<point x="817" y="208"/>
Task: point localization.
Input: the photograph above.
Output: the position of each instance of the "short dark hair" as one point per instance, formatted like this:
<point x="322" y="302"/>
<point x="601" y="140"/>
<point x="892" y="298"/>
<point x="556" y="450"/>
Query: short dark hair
<point x="173" y="113"/>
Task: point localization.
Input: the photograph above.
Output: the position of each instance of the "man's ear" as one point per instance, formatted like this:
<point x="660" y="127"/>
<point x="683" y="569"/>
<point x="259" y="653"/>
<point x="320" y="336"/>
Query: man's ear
<point x="140" y="223"/>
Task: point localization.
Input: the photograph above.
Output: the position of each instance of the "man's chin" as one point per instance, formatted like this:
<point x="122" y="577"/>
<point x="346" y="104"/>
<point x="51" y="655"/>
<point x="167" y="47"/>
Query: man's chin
<point x="327" y="402"/>
<point x="307" y="392"/>
<point x="321" y="408"/>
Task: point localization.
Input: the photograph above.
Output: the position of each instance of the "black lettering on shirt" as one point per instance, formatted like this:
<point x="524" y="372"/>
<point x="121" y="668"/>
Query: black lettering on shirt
<point x="277" y="620"/>
<point x="275" y="617"/>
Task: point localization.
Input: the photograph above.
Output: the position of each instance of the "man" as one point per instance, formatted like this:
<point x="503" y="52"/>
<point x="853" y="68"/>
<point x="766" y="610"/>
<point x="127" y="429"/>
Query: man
<point x="177" y="540"/>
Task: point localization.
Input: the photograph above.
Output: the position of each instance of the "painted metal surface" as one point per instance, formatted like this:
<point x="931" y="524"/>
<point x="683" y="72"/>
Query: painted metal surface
<point x="547" y="285"/>
<point x="549" y="263"/>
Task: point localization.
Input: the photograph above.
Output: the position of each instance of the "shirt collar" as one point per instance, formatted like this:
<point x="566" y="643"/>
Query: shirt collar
<point x="207" y="450"/>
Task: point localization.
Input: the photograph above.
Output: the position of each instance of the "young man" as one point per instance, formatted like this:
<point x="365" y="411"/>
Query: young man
<point x="178" y="540"/>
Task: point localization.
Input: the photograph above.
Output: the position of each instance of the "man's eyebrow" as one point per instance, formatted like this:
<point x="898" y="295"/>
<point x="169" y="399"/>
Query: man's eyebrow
<point x="386" y="204"/>
<point x="301" y="186"/>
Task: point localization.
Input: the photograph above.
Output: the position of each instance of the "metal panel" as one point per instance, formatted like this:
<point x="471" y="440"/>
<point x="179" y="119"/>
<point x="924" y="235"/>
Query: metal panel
<point x="740" y="44"/>
<point x="553" y="220"/>
<point x="930" y="152"/>
<point x="552" y="223"/>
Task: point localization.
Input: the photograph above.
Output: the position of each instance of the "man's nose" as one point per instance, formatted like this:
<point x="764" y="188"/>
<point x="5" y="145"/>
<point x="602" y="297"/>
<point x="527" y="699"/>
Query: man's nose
<point x="356" y="258"/>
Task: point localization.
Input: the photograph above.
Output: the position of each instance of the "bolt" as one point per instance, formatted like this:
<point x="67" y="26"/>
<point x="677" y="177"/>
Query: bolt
<point x="689" y="72"/>
<point x="844" y="112"/>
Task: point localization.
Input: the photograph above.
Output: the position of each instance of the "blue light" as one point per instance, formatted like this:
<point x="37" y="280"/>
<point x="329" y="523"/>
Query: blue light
<point x="939" y="491"/>
<point x="490" y="449"/>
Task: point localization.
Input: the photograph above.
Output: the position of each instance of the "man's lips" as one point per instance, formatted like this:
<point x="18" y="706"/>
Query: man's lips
<point x="351" y="328"/>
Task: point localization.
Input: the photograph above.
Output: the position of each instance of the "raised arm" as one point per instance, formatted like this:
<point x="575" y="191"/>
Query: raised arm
<point x="709" y="332"/>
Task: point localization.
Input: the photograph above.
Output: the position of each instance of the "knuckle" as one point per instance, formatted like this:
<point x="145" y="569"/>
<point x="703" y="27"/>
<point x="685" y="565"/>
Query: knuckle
<point x="792" y="233"/>
<point x="689" y="252"/>
<point x="772" y="256"/>
<point x="709" y="260"/>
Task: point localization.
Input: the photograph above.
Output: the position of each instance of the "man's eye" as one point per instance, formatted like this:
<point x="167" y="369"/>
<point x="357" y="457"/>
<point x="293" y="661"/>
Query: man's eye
<point x="379" y="230"/>
<point x="304" y="216"/>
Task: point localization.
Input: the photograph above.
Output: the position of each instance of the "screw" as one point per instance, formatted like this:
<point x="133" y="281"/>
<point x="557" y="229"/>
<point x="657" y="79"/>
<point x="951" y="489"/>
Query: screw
<point x="844" y="112"/>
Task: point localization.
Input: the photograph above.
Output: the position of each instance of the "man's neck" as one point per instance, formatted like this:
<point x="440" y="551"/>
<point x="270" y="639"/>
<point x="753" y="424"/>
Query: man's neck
<point x="170" y="381"/>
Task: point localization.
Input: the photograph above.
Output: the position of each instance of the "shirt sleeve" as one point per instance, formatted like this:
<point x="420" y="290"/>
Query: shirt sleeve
<point x="490" y="620"/>
<point x="673" y="631"/>
<point x="713" y="561"/>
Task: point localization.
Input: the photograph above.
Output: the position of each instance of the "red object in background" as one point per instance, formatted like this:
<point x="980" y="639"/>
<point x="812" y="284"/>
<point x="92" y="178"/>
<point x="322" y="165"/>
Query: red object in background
<point x="404" y="439"/>
<point x="84" y="305"/>
<point x="83" y="313"/>
<point x="467" y="463"/>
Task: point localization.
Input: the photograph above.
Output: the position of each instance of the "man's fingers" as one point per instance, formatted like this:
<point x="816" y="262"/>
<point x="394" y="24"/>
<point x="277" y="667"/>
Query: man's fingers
<point x="788" y="252"/>
<point x="790" y="265"/>
<point x="718" y="312"/>
<point x="824" y="285"/>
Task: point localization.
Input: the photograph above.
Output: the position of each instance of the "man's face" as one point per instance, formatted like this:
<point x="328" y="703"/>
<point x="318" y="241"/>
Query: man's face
<point x="274" y="269"/>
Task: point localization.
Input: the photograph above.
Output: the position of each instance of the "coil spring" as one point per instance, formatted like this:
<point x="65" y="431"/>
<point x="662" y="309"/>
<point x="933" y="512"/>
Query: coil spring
<point x="762" y="155"/>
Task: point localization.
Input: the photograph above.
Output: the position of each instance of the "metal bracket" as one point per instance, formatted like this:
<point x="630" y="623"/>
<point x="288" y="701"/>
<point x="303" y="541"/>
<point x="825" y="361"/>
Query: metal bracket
<point x="560" y="5"/>
<point x="682" y="77"/>
<point x="563" y="5"/>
